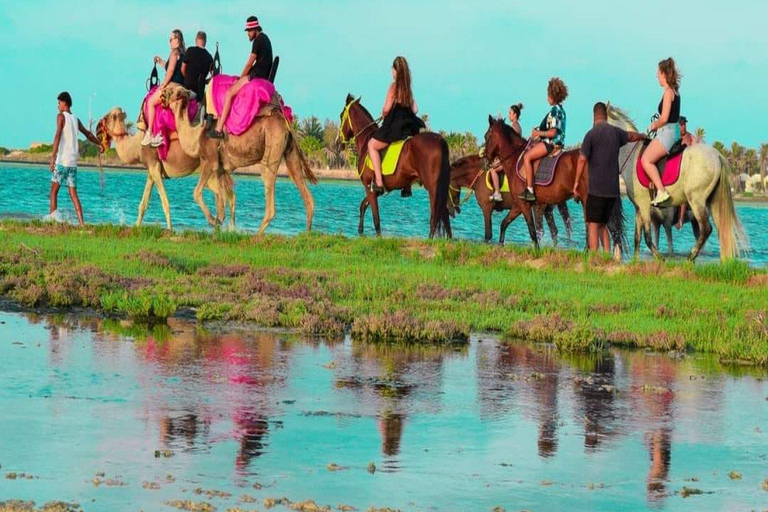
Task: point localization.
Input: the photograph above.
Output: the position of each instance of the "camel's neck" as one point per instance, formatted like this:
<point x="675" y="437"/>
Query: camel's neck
<point x="129" y="148"/>
<point x="189" y="135"/>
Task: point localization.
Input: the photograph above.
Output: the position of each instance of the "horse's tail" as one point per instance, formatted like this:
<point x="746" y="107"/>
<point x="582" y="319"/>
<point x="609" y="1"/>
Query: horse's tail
<point x="616" y="227"/>
<point x="440" y="207"/>
<point x="733" y="240"/>
<point x="293" y="149"/>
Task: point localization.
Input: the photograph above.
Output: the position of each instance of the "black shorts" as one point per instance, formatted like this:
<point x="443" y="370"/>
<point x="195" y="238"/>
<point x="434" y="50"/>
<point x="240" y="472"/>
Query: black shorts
<point x="599" y="208"/>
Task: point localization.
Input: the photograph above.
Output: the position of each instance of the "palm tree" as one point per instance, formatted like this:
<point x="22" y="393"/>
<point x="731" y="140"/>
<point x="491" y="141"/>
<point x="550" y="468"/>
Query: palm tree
<point x="763" y="164"/>
<point x="700" y="133"/>
<point x="737" y="162"/>
<point x="751" y="163"/>
<point x="312" y="127"/>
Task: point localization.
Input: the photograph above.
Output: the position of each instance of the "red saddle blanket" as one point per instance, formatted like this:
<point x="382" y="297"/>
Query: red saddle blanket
<point x="543" y="170"/>
<point x="669" y="170"/>
<point x="165" y="122"/>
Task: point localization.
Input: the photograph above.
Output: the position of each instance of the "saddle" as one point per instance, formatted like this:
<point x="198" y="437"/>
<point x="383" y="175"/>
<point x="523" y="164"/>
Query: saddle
<point x="389" y="158"/>
<point x="503" y="182"/>
<point x="669" y="166"/>
<point x="544" y="169"/>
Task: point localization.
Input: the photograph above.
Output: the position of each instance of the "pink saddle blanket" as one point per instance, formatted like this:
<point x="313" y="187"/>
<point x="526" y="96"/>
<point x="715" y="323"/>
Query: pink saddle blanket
<point x="255" y="95"/>
<point x="669" y="169"/>
<point x="165" y="122"/>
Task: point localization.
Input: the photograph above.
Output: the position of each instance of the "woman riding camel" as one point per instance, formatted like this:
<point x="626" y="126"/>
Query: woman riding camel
<point x="666" y="126"/>
<point x="514" y="121"/>
<point x="551" y="133"/>
<point x="173" y="78"/>
<point x="400" y="119"/>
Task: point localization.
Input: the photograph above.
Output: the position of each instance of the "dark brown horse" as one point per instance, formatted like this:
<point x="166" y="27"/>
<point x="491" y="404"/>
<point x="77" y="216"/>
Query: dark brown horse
<point x="502" y="142"/>
<point x="424" y="159"/>
<point x="468" y="172"/>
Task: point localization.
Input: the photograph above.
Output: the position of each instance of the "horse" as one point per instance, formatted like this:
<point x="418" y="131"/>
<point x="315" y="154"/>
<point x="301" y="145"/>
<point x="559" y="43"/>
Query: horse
<point x="667" y="217"/>
<point x="424" y="159"/>
<point x="504" y="143"/>
<point x="703" y="184"/>
<point x="469" y="172"/>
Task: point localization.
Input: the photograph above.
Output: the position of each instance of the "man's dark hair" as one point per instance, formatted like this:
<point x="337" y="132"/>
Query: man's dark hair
<point x="600" y="109"/>
<point x="203" y="36"/>
<point x="66" y="98"/>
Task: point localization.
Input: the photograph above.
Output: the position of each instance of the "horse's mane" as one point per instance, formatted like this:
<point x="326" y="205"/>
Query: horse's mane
<point x="365" y="110"/>
<point x="509" y="131"/>
<point x="620" y="117"/>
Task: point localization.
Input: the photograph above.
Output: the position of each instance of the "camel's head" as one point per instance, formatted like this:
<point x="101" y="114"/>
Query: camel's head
<point x="110" y="126"/>
<point x="178" y="98"/>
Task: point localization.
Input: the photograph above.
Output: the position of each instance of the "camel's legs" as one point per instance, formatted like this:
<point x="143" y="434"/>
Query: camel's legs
<point x="164" y="200"/>
<point x="293" y="162"/>
<point x="206" y="174"/>
<point x="268" y="177"/>
<point x="145" y="200"/>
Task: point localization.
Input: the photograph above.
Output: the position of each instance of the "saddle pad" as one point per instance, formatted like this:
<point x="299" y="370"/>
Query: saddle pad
<point x="246" y="106"/>
<point x="389" y="158"/>
<point x="543" y="170"/>
<point x="503" y="184"/>
<point x="165" y="122"/>
<point x="669" y="170"/>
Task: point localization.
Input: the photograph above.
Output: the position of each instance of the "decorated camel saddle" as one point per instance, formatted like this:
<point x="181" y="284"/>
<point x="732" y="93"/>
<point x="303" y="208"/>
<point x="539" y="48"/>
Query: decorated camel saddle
<point x="669" y="167"/>
<point x="165" y="121"/>
<point x="543" y="170"/>
<point x="258" y="98"/>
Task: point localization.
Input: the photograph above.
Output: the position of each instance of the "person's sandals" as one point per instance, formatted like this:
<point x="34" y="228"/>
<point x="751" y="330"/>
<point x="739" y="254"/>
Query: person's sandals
<point x="661" y="198"/>
<point x="376" y="189"/>
<point x="406" y="192"/>
<point x="157" y="141"/>
<point x="496" y="197"/>
<point x="147" y="140"/>
<point x="528" y="196"/>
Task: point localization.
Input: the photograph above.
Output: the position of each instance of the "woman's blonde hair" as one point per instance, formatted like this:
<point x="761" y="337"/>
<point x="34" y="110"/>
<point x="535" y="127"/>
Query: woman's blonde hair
<point x="557" y="90"/>
<point x="669" y="69"/>
<point x="403" y="93"/>
<point x="180" y="37"/>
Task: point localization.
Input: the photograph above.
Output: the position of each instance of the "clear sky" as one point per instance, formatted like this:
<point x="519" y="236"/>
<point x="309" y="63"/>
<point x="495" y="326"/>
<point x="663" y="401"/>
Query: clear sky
<point x="468" y="58"/>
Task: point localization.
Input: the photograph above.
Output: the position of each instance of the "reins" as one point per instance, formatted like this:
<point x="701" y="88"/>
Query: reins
<point x="470" y="192"/>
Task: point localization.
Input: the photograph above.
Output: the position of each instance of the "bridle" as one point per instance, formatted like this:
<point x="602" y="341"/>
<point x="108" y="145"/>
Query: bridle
<point x="347" y="118"/>
<point x="469" y="193"/>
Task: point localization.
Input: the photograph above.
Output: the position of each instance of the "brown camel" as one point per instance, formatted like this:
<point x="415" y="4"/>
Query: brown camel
<point x="265" y="143"/>
<point x="179" y="164"/>
<point x="502" y="142"/>
<point x="468" y="172"/>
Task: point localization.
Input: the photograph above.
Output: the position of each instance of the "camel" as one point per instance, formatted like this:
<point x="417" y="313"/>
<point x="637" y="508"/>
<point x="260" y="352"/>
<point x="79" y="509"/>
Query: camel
<point x="266" y="142"/>
<point x="179" y="164"/>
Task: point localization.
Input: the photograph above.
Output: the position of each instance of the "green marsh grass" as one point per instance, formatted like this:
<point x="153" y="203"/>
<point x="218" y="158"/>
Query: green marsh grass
<point x="390" y="287"/>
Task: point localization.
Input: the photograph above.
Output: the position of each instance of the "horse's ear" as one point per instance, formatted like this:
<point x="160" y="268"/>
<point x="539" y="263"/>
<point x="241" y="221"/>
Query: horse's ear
<point x="490" y="119"/>
<point x="359" y="98"/>
<point x="349" y="98"/>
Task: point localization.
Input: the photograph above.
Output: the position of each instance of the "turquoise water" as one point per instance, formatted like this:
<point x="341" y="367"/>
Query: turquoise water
<point x="24" y="194"/>
<point x="447" y="429"/>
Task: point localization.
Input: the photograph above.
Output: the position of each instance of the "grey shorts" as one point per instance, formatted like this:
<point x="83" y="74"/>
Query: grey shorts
<point x="62" y="174"/>
<point x="668" y="135"/>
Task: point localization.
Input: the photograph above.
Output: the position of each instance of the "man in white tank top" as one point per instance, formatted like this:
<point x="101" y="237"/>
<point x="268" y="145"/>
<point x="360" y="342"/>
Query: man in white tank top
<point x="65" y="153"/>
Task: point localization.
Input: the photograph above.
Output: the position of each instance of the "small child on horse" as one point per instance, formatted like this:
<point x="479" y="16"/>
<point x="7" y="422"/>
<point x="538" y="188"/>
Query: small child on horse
<point x="514" y="121"/>
<point x="551" y="134"/>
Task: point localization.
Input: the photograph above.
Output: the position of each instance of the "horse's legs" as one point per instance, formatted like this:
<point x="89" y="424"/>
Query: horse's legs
<point x="668" y="230"/>
<point x="363" y="207"/>
<point x="145" y="200"/>
<point x="562" y="207"/>
<point x="550" y="218"/>
<point x="638" y="233"/>
<point x="528" y="215"/>
<point x="701" y="213"/>
<point x="374" y="202"/>
<point x="514" y="213"/>
<point x="538" y="215"/>
<point x="487" y="221"/>
<point x="645" y="218"/>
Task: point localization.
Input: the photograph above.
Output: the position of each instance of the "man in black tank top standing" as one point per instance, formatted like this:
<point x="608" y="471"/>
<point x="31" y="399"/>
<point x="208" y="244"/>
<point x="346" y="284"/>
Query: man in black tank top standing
<point x="259" y="65"/>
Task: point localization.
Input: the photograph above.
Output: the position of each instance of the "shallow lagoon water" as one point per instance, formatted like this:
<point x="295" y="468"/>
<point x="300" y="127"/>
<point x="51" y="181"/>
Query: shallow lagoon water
<point x="454" y="429"/>
<point x="25" y="195"/>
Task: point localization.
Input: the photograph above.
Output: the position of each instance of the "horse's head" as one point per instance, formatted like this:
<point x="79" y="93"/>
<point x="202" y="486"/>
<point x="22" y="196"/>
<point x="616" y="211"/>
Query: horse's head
<point x="346" y="131"/>
<point x="454" y="199"/>
<point x="493" y="137"/>
<point x="620" y="118"/>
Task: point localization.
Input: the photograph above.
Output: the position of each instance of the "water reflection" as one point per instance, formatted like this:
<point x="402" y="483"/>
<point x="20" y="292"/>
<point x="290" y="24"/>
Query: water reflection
<point x="235" y="406"/>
